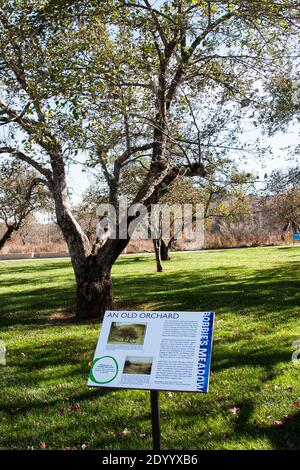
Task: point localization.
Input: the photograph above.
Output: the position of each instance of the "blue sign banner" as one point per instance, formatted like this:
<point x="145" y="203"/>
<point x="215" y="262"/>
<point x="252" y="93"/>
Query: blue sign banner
<point x="204" y="357"/>
<point x="297" y="237"/>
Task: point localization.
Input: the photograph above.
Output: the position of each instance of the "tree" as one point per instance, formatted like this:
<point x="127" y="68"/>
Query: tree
<point x="182" y="191"/>
<point x="20" y="195"/>
<point x="282" y="101"/>
<point x="283" y="190"/>
<point x="281" y="107"/>
<point x="223" y="193"/>
<point x="128" y="334"/>
<point x="124" y="82"/>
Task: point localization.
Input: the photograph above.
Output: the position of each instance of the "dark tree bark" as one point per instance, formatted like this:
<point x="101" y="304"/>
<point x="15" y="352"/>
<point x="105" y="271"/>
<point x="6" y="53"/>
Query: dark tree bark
<point x="93" y="279"/>
<point x="94" y="289"/>
<point x="157" y="249"/>
<point x="164" y="250"/>
<point x="6" y="236"/>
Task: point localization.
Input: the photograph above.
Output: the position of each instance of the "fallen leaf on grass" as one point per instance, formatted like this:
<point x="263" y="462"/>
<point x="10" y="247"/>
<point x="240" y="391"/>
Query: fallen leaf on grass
<point x="234" y="410"/>
<point x="125" y="432"/>
<point x="75" y="406"/>
<point x="43" y="445"/>
<point x="278" y="423"/>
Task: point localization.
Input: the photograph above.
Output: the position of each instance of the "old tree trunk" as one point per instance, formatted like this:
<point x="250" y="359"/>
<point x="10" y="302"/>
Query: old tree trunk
<point x="94" y="289"/>
<point x="164" y="250"/>
<point x="157" y="249"/>
<point x="6" y="236"/>
<point x="94" y="284"/>
<point x="92" y="268"/>
<point x="93" y="279"/>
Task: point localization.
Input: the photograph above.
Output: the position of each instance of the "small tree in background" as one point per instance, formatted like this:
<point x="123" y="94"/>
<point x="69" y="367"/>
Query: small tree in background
<point x="20" y="195"/>
<point x="283" y="189"/>
<point x="223" y="193"/>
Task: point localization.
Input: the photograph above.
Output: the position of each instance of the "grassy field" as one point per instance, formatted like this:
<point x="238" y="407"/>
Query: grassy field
<point x="254" y="397"/>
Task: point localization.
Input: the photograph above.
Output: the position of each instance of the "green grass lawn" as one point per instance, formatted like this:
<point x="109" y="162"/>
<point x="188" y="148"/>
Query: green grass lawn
<point x="254" y="397"/>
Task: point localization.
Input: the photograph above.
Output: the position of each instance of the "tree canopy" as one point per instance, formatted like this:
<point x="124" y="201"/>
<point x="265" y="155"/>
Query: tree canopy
<point x="121" y="83"/>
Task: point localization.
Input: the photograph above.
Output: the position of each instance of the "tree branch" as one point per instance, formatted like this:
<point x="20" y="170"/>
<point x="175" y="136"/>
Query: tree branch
<point x="187" y="56"/>
<point x="13" y="152"/>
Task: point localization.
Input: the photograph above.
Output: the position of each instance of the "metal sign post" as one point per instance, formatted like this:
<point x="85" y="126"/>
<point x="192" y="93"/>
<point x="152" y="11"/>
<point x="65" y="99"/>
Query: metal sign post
<point x="155" y="418"/>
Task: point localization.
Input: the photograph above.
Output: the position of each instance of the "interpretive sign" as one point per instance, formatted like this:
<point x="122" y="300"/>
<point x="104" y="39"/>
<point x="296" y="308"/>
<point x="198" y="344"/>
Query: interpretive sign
<point x="154" y="351"/>
<point x="297" y="237"/>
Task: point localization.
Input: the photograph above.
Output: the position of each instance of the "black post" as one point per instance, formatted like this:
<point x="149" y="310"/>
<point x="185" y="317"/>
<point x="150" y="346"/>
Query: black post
<point x="155" y="418"/>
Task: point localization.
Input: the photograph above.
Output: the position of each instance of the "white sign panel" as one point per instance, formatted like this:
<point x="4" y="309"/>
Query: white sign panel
<point x="154" y="351"/>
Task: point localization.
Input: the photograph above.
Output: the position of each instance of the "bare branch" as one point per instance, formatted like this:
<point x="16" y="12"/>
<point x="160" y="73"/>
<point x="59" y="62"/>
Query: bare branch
<point x="132" y="150"/>
<point x="159" y="28"/>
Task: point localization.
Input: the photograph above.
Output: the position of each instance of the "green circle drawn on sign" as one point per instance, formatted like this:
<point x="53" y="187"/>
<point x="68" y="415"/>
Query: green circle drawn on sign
<point x="95" y="362"/>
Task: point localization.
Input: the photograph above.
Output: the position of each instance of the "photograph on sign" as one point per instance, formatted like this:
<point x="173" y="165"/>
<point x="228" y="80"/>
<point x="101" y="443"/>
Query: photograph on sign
<point x="122" y="332"/>
<point x="138" y="365"/>
<point x="154" y="351"/>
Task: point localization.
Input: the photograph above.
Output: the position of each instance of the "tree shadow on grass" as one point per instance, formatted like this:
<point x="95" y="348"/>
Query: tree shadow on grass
<point x="107" y="433"/>
<point x="208" y="289"/>
<point x="46" y="363"/>
<point x="282" y="437"/>
<point x="21" y="407"/>
<point x="231" y="289"/>
<point x="89" y="423"/>
<point x="243" y="428"/>
<point x="33" y="266"/>
<point x="33" y="306"/>
<point x="132" y="259"/>
<point x="285" y="436"/>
